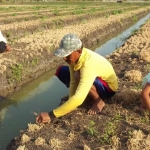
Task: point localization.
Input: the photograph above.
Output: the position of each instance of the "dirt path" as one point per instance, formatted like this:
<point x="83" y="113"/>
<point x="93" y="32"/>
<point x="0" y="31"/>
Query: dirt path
<point x="121" y="125"/>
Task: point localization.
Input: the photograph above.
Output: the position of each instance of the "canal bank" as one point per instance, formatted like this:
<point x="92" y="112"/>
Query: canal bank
<point x="121" y="118"/>
<point x="21" y="66"/>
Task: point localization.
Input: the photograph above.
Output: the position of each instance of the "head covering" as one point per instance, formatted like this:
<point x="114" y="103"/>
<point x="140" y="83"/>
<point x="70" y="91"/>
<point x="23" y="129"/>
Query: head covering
<point x="68" y="44"/>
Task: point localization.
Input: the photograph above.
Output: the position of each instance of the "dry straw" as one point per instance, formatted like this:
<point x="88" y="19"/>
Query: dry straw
<point x="145" y="55"/>
<point x="127" y="96"/>
<point x="134" y="75"/>
<point x="139" y="141"/>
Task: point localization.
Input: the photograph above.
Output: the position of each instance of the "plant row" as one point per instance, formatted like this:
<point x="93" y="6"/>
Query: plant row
<point x="20" y="29"/>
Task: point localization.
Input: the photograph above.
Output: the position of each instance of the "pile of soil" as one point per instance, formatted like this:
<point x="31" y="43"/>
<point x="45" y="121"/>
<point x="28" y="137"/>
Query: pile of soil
<point x="122" y="125"/>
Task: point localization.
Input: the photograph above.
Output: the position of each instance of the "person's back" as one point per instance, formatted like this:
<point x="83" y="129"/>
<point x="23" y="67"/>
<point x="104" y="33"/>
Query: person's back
<point x="102" y="68"/>
<point x="4" y="47"/>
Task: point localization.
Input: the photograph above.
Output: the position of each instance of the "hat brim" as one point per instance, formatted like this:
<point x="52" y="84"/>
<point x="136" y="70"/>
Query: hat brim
<point x="62" y="53"/>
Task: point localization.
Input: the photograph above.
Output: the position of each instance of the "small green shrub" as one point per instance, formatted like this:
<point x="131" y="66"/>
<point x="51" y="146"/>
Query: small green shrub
<point x="16" y="72"/>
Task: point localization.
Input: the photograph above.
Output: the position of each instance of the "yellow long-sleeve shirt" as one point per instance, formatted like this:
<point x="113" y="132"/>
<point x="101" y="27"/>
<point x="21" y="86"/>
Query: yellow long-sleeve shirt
<point x="91" y="65"/>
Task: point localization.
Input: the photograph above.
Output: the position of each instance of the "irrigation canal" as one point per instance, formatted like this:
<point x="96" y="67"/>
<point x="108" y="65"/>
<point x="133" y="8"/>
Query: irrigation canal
<point x="44" y="94"/>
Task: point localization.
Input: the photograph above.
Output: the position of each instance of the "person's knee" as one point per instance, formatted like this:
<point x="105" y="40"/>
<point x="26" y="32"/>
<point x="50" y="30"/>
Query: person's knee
<point x="63" y="74"/>
<point x="92" y="89"/>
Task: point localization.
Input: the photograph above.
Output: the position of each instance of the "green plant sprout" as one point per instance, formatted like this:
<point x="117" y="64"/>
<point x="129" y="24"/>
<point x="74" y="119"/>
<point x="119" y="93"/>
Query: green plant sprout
<point x="91" y="129"/>
<point x="16" y="72"/>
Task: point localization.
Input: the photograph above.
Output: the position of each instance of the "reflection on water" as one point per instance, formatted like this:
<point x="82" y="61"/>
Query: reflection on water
<point x="18" y="110"/>
<point x="42" y="94"/>
<point x="119" y="40"/>
<point x="2" y="114"/>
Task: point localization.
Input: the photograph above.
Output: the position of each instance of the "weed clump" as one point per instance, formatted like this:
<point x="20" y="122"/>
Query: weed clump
<point x="55" y="143"/>
<point x="22" y="148"/>
<point x="138" y="141"/>
<point x="25" y="138"/>
<point x="39" y="141"/>
<point x="33" y="127"/>
<point x="134" y="75"/>
<point x="127" y="96"/>
<point x="145" y="55"/>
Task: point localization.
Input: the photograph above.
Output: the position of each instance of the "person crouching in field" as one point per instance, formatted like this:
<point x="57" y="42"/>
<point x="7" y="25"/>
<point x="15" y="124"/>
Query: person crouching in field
<point x="145" y="94"/>
<point x="4" y="47"/>
<point x="87" y="74"/>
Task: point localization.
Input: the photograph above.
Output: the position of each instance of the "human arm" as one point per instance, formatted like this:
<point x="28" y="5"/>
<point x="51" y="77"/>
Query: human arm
<point x="145" y="94"/>
<point x="45" y="117"/>
<point x="86" y="80"/>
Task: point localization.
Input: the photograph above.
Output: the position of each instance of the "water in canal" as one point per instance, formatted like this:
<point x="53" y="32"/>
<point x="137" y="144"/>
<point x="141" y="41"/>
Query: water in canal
<point x="43" y="94"/>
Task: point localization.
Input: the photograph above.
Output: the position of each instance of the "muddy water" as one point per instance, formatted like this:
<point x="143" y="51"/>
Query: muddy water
<point x="43" y="94"/>
<point x="18" y="110"/>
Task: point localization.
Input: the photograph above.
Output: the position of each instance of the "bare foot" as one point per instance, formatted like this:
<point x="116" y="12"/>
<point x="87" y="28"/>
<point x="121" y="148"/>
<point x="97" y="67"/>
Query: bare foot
<point x="96" y="107"/>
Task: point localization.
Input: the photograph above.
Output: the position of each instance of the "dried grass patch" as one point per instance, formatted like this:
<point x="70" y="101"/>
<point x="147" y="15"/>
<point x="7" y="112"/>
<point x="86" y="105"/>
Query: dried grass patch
<point x="33" y="127"/>
<point x="22" y="148"/>
<point x="127" y="96"/>
<point x="145" y="55"/>
<point x="25" y="138"/>
<point x="55" y="143"/>
<point x="40" y="141"/>
<point x="134" y="75"/>
<point x="85" y="147"/>
<point x="139" y="141"/>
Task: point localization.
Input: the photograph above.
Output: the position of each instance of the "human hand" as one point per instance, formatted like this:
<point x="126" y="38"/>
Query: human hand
<point x="43" y="117"/>
<point x="8" y="48"/>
